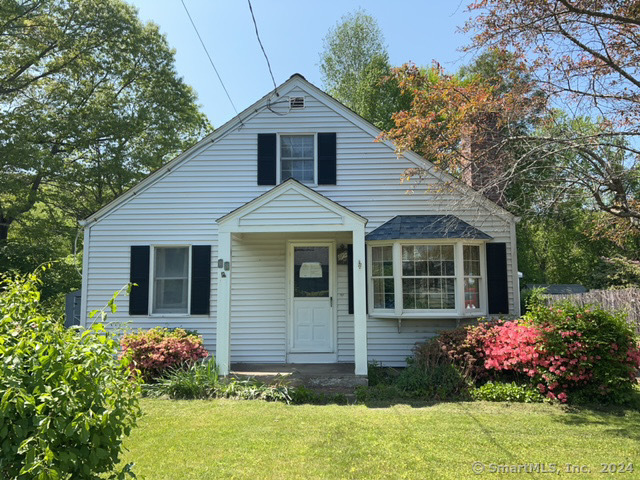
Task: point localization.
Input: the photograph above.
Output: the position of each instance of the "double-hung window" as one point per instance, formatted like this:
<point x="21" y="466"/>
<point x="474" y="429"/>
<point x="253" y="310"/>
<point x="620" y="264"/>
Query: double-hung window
<point x="171" y="280"/>
<point x="297" y="158"/>
<point x="472" y="277"/>
<point x="382" y="277"/>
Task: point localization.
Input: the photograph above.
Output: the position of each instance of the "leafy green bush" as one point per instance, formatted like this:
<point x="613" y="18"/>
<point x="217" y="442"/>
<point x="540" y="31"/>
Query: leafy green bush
<point x="377" y="374"/>
<point x="66" y="401"/>
<point x="589" y="353"/>
<point x="195" y="380"/>
<point x="156" y="351"/>
<point x="506" y="392"/>
<point x="251" y="389"/>
<point x="441" y="381"/>
<point x="200" y="381"/>
<point x="378" y="392"/>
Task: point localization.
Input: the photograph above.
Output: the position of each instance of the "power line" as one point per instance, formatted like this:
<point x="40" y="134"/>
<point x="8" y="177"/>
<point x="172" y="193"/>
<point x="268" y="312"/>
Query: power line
<point x="210" y="60"/>
<point x="262" y="47"/>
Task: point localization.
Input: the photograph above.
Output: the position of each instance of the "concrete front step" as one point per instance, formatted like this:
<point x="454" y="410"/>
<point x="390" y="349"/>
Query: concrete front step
<point x="333" y="376"/>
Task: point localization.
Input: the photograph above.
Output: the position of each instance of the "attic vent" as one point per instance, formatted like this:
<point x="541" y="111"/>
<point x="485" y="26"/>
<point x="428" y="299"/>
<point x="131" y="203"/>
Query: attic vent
<point x="296" y="102"/>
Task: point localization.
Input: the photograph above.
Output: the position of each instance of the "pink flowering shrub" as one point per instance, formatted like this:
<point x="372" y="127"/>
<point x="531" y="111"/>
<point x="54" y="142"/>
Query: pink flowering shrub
<point x="566" y="351"/>
<point x="464" y="348"/>
<point x="156" y="350"/>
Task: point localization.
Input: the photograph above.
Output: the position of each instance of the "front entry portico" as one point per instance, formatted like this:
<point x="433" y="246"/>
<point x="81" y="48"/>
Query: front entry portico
<point x="311" y="292"/>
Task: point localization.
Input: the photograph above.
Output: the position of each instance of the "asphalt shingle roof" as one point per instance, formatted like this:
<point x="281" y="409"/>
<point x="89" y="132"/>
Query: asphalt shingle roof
<point x="425" y="226"/>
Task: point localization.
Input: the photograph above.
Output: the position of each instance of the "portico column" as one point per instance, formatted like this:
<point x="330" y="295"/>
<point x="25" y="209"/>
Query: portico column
<point x="223" y="337"/>
<point x="359" y="302"/>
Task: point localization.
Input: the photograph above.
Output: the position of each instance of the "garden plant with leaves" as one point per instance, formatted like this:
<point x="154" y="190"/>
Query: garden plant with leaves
<point x="66" y="400"/>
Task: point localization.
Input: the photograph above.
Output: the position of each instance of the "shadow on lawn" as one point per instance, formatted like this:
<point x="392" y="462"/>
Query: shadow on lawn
<point x="619" y="421"/>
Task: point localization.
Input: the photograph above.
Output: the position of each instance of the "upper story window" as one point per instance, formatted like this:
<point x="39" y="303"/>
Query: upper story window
<point x="297" y="158"/>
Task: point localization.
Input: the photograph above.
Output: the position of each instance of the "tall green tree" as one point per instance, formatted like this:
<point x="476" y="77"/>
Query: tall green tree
<point x="90" y="102"/>
<point x="356" y="70"/>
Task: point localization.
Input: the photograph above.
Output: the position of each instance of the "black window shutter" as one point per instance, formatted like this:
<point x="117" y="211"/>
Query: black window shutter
<point x="350" y="276"/>
<point x="266" y="159"/>
<point x="200" y="279"/>
<point x="139" y="274"/>
<point x="497" y="283"/>
<point x="326" y="158"/>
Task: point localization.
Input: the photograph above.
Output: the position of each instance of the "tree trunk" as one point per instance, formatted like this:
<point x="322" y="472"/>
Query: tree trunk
<point x="4" y="228"/>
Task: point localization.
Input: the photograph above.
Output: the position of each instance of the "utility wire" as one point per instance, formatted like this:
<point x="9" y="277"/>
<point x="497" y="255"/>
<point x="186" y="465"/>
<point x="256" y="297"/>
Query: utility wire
<point x="210" y="60"/>
<point x="275" y="87"/>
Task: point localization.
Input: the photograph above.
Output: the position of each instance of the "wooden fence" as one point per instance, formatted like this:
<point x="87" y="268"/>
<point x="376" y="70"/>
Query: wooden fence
<point x="627" y="300"/>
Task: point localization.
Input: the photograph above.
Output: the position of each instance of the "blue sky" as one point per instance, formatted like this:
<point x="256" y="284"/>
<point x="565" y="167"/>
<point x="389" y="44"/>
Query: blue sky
<point x="292" y="34"/>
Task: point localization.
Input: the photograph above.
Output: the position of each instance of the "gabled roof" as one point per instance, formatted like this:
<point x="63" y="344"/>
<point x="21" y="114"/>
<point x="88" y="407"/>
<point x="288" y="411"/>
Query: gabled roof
<point x="295" y="80"/>
<point x="417" y="227"/>
<point x="324" y="209"/>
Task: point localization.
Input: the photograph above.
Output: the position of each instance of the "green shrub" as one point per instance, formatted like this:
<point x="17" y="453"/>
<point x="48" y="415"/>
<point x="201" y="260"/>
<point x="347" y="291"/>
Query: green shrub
<point x="506" y="392"/>
<point x="251" y="389"/>
<point x="195" y="380"/>
<point x="66" y="401"/>
<point x="377" y="374"/>
<point x="378" y="392"/>
<point x="200" y="381"/>
<point x="438" y="382"/>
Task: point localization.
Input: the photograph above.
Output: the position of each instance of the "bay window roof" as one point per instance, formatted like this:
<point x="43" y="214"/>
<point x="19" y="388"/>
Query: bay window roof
<point x="417" y="227"/>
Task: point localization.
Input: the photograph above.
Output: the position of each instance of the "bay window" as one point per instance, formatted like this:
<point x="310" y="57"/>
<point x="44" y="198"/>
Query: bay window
<point x="427" y="278"/>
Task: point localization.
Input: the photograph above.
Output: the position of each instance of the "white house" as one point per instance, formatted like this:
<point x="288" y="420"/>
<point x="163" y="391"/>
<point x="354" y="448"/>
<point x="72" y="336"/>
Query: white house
<point x="287" y="236"/>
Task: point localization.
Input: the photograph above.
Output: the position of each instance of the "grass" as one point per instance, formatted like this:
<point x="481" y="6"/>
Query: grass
<point x="253" y="439"/>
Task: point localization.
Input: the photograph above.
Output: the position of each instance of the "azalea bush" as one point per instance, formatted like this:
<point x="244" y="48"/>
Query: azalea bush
<point x="566" y="352"/>
<point x="463" y="347"/>
<point x="156" y="351"/>
<point x="587" y="352"/>
<point x="66" y="400"/>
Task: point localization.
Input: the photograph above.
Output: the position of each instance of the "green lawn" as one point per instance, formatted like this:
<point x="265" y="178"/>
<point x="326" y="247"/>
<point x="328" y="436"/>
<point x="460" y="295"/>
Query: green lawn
<point x="181" y="440"/>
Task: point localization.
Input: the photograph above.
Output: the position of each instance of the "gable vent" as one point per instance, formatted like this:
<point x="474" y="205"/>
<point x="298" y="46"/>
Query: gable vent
<point x="296" y="102"/>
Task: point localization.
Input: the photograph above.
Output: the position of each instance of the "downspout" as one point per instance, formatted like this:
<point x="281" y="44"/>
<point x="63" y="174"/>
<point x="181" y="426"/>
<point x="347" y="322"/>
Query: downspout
<point x="85" y="274"/>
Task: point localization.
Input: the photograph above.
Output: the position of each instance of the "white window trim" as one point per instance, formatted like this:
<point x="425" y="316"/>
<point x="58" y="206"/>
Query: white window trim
<point x="315" y="156"/>
<point x="398" y="311"/>
<point x="152" y="281"/>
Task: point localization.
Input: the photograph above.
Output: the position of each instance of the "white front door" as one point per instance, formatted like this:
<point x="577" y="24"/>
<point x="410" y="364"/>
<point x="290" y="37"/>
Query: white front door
<point x="311" y="310"/>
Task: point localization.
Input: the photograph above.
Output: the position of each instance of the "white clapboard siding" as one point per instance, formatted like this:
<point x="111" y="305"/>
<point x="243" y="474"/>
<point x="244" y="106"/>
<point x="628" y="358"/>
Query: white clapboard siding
<point x="181" y="208"/>
<point x="290" y="208"/>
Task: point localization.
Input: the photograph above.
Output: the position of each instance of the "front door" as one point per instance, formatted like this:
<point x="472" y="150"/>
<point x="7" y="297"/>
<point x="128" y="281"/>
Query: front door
<point x="311" y="310"/>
